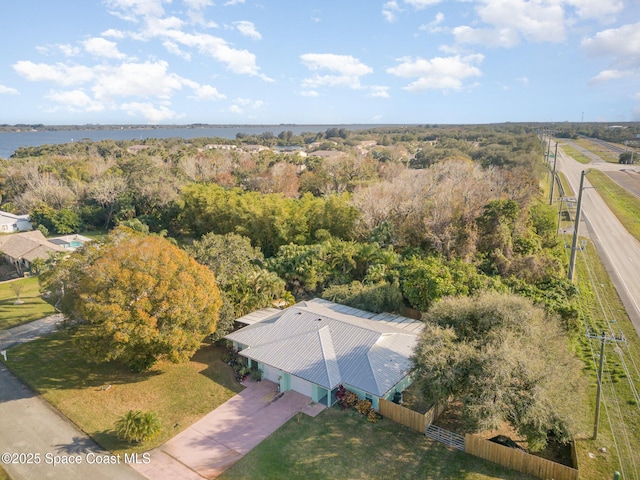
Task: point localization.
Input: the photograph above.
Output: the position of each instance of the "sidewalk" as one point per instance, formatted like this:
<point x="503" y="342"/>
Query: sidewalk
<point x="29" y="331"/>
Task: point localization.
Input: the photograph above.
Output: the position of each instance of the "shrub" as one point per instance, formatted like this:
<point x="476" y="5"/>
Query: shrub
<point x="373" y="416"/>
<point x="346" y="398"/>
<point x="137" y="426"/>
<point x="364" y="407"/>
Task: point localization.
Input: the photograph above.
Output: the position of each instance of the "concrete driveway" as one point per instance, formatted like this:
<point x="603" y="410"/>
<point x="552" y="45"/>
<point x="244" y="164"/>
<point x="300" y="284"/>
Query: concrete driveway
<point x="218" y="440"/>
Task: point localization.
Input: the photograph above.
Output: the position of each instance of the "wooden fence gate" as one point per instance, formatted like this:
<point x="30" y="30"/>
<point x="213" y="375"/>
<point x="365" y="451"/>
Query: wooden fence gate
<point x="445" y="436"/>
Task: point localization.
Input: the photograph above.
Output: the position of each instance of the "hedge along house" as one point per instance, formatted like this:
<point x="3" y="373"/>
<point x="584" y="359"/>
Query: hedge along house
<point x="313" y="347"/>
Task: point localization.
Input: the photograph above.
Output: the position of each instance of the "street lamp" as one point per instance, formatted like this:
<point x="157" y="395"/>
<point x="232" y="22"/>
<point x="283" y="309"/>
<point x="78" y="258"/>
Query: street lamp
<point x="574" y="241"/>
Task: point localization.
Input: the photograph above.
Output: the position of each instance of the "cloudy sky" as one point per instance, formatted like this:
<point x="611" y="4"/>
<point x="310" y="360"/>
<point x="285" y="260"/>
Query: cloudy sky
<point x="327" y="62"/>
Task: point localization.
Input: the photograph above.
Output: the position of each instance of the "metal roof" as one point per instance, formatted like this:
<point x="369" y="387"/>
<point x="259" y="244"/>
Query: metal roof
<point x="328" y="344"/>
<point x="257" y="316"/>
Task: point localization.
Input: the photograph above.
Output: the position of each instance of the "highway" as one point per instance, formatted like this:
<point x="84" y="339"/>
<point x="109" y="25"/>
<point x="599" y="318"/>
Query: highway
<point x="619" y="251"/>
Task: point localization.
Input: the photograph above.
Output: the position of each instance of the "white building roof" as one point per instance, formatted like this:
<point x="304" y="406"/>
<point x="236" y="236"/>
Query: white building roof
<point x="329" y="344"/>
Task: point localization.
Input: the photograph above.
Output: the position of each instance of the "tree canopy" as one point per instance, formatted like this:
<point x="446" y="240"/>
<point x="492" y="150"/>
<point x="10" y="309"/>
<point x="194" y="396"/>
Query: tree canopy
<point x="506" y="360"/>
<point x="136" y="299"/>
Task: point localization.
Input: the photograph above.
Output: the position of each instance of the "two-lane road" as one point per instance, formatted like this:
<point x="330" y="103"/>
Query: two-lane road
<point x="619" y="250"/>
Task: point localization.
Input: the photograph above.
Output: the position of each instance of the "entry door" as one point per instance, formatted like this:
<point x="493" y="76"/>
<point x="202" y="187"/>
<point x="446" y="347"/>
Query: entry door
<point x="285" y="382"/>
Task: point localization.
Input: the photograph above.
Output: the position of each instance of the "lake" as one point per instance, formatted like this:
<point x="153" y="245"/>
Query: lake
<point x="11" y="141"/>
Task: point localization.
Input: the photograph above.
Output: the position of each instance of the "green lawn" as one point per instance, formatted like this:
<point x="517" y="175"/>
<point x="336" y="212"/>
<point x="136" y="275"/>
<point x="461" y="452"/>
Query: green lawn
<point x="179" y="393"/>
<point x="623" y="204"/>
<point x="342" y="444"/>
<point x="575" y="154"/>
<point x="621" y="438"/>
<point x="603" y="152"/>
<point x="33" y="308"/>
<point x="3" y="474"/>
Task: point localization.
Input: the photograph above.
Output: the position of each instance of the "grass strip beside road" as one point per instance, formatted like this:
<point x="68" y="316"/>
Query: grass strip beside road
<point x="575" y="154"/>
<point x="343" y="444"/>
<point x="624" y="205"/>
<point x="179" y="393"/>
<point x="603" y="152"/>
<point x="619" y="426"/>
<point x="33" y="308"/>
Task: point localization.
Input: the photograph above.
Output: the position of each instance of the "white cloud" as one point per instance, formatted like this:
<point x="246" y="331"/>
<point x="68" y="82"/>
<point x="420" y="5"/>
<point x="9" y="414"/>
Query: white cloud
<point x="309" y="93"/>
<point x="101" y="47"/>
<point x="230" y="3"/>
<point x="136" y="80"/>
<point x="196" y="9"/>
<point x="113" y="33"/>
<point x="440" y="73"/>
<point x="248" y="29"/>
<point x="66" y="49"/>
<point x="608" y="75"/>
<point x="238" y="61"/>
<point x="131" y="9"/>
<point x="75" y="101"/>
<point x="174" y="49"/>
<point x="389" y="10"/>
<point x="510" y="21"/>
<point x="420" y="4"/>
<point x="621" y="45"/>
<point x="4" y="90"/>
<point x="379" y="91"/>
<point x="597" y="9"/>
<point x="59" y="73"/>
<point x="152" y="113"/>
<point x="242" y="105"/>
<point x="207" y="92"/>
<point x="432" y="27"/>
<point x="349" y="70"/>
<point x="524" y="81"/>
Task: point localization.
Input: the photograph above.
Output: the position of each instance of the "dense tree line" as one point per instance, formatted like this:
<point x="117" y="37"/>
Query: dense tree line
<point x="443" y="220"/>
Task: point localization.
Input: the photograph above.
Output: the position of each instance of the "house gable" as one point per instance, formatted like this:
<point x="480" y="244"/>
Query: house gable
<point x="317" y="342"/>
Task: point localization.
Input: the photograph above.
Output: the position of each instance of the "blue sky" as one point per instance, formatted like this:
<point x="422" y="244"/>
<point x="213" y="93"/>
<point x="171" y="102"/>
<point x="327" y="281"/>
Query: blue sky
<point x="326" y="62"/>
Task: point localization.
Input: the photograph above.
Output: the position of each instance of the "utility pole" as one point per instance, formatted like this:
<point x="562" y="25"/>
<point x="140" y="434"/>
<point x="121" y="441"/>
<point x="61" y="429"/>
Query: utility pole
<point x="574" y="242"/>
<point x="553" y="173"/>
<point x="603" y="338"/>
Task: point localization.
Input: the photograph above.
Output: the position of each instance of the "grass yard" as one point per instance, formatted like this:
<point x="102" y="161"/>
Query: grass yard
<point x="3" y="474"/>
<point x="33" y="308"/>
<point x="600" y="150"/>
<point x="179" y="393"/>
<point x="343" y="444"/>
<point x="575" y="154"/>
<point x="619" y="426"/>
<point x="623" y="204"/>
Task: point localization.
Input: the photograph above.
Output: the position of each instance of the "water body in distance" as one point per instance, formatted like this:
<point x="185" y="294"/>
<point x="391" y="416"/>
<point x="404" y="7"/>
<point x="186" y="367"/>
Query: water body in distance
<point x="11" y="141"/>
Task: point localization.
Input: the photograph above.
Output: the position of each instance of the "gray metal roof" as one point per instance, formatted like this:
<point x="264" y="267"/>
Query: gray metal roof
<point x="257" y="316"/>
<point x="329" y="344"/>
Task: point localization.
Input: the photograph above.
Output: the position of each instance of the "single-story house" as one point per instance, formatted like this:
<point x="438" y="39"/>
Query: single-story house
<point x="10" y="223"/>
<point x="315" y="346"/>
<point x="20" y="249"/>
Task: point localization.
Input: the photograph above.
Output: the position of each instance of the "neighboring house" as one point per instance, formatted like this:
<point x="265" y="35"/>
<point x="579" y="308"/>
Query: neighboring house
<point x="10" y="223"/>
<point x="20" y="249"/>
<point x="315" y="346"/>
<point x="70" y="242"/>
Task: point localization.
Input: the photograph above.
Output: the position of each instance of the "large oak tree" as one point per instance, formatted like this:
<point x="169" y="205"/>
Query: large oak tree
<point x="506" y="360"/>
<point x="137" y="299"/>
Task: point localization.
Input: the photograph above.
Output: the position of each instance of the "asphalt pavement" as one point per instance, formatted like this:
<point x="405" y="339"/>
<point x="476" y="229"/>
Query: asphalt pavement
<point x="36" y="441"/>
<point x="619" y="250"/>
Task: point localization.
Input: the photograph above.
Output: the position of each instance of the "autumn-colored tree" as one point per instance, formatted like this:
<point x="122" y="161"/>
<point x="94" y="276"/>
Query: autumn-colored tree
<point x="137" y="299"/>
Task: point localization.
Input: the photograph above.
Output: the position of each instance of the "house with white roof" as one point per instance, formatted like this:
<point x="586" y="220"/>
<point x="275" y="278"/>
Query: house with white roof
<point x="10" y="223"/>
<point x="315" y="346"/>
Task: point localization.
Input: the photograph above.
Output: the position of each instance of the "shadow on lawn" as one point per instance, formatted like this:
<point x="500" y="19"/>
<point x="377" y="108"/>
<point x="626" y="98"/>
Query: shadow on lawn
<point x="54" y="362"/>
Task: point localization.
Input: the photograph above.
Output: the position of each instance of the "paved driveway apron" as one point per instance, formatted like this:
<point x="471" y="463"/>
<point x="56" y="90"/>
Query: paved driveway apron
<point x="218" y="440"/>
